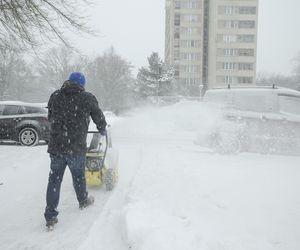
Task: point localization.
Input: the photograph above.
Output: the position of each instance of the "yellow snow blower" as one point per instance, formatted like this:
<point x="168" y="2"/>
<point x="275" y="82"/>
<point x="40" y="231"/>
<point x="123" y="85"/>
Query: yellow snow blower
<point x="101" y="165"/>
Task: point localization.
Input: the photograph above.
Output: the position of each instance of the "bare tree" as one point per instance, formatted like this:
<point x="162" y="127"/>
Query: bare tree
<point x="56" y="65"/>
<point x="28" y="22"/>
<point x="9" y="60"/>
<point x="110" y="78"/>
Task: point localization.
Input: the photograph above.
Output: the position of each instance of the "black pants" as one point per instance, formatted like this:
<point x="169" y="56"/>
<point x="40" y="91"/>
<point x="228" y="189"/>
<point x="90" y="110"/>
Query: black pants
<point x="58" y="165"/>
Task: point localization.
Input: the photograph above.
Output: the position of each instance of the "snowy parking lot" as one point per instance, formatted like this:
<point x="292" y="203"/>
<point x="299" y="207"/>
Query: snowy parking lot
<point x="172" y="194"/>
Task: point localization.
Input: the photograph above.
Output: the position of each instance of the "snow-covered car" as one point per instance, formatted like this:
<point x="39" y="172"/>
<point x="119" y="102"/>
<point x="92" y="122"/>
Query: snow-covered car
<point x="255" y="119"/>
<point x="26" y="123"/>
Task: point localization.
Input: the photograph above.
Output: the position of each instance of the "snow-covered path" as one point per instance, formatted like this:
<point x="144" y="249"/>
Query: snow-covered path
<point x="171" y="194"/>
<point x="24" y="172"/>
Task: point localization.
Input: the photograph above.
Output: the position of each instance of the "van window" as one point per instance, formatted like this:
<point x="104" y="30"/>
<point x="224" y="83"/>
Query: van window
<point x="289" y="104"/>
<point x="11" y="110"/>
<point x="1" y="109"/>
<point x="253" y="102"/>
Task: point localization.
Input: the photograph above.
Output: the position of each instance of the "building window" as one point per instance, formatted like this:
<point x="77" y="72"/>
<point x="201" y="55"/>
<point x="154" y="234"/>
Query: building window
<point x="194" y="5"/>
<point x="190" y="81"/>
<point x="177" y="19"/>
<point x="194" y="43"/>
<point x="247" y="10"/>
<point x="233" y="10"/>
<point x="227" y="38"/>
<point x="190" y="56"/>
<point x="190" y="68"/>
<point x="227" y="24"/>
<point x="245" y="66"/>
<point x="231" y="24"/>
<point x="245" y="24"/>
<point x="227" y="52"/>
<point x="230" y="52"/>
<point x="177" y="5"/>
<point x="228" y="66"/>
<point x="190" y="31"/>
<point x="246" y="38"/>
<point x="177" y="33"/>
<point x="246" y="52"/>
<point x="191" y="18"/>
<point x="228" y="10"/>
<point x="235" y="24"/>
<point x="191" y="5"/>
<point x="245" y="79"/>
<point x="190" y="43"/>
<point x="235" y="52"/>
<point x="228" y="79"/>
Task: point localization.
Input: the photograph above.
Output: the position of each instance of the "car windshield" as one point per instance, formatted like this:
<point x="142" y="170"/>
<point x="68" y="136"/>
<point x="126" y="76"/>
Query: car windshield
<point x="289" y="104"/>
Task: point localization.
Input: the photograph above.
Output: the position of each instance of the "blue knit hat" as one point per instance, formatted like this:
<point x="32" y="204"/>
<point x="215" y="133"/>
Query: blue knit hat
<point x="78" y="78"/>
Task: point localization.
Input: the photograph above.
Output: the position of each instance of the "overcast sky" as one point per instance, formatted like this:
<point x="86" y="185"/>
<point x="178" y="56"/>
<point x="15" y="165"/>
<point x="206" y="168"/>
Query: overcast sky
<point x="135" y="28"/>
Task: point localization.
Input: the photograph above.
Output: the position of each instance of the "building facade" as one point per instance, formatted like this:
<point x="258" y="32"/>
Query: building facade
<point x="211" y="43"/>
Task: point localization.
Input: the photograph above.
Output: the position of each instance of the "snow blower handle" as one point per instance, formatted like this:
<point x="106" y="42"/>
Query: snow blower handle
<point x="106" y="142"/>
<point x="106" y="147"/>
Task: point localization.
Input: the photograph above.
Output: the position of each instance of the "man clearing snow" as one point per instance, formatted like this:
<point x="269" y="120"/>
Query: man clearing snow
<point x="69" y="111"/>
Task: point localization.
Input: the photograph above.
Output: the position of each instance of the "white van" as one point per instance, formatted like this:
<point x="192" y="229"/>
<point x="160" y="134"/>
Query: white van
<point x="256" y="119"/>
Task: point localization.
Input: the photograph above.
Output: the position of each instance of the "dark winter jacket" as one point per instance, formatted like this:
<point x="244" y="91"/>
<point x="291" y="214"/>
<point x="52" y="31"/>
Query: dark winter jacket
<point x="69" y="112"/>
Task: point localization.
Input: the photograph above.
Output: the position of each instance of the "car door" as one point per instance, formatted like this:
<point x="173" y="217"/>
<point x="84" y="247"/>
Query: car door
<point x="9" y="120"/>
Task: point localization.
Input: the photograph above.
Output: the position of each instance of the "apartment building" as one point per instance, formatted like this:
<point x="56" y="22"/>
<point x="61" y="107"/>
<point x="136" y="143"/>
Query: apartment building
<point x="211" y="43"/>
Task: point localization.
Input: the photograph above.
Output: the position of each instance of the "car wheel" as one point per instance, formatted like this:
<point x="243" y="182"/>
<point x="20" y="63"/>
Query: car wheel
<point x="28" y="137"/>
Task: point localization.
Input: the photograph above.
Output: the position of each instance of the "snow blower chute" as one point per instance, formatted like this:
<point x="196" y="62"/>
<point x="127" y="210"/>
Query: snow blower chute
<point x="101" y="165"/>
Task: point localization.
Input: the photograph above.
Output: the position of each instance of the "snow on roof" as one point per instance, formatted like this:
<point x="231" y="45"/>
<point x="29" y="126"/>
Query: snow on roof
<point x="260" y="89"/>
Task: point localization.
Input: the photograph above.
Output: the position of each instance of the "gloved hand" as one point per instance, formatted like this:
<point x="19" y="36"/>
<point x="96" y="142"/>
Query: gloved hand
<point x="103" y="132"/>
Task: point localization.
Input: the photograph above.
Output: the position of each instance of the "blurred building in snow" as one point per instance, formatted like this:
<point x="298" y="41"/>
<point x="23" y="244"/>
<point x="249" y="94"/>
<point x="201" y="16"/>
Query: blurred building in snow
<point x="211" y="43"/>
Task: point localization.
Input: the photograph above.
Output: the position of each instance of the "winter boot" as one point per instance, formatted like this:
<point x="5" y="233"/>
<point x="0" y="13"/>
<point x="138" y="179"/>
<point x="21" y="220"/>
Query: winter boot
<point x="50" y="223"/>
<point x="87" y="202"/>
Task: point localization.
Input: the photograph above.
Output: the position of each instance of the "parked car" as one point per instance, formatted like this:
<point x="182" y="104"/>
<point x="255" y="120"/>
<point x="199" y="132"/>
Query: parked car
<point x="257" y="119"/>
<point x="26" y="123"/>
